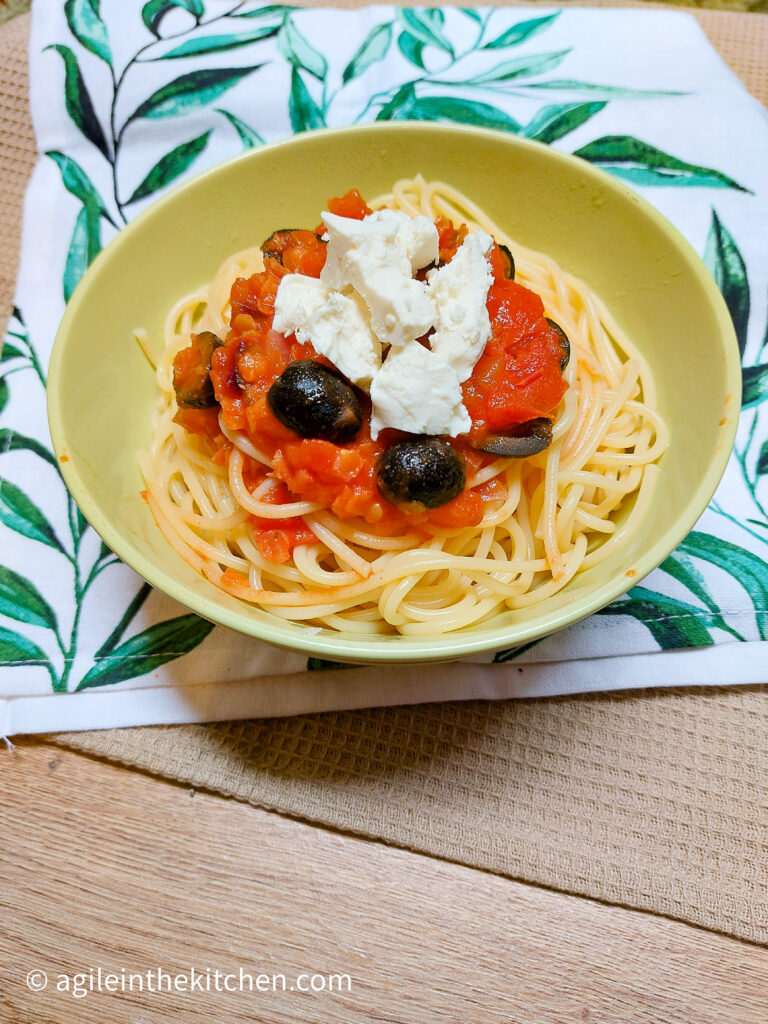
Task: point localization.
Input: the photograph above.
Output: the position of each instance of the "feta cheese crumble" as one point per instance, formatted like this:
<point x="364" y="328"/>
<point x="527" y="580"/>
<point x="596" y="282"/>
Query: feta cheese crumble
<point x="335" y="324"/>
<point x="367" y="311"/>
<point x="416" y="391"/>
<point x="377" y="257"/>
<point x="460" y="292"/>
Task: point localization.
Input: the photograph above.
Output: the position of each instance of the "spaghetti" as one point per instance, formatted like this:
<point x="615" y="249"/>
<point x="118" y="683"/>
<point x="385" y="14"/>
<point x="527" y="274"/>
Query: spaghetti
<point x="544" y="518"/>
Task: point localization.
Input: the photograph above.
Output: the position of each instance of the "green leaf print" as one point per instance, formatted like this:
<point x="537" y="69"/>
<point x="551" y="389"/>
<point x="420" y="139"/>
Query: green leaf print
<point x="373" y="49"/>
<point x="754" y="385"/>
<point x="170" y="167"/>
<point x="299" y="52"/>
<point x="411" y="48"/>
<point x="4" y="393"/>
<point x="88" y="28"/>
<point x="522" y="31"/>
<point x="747" y="569"/>
<point x="470" y="12"/>
<point x="726" y="264"/>
<point x="21" y="600"/>
<point x="424" y="27"/>
<point x="448" y="108"/>
<point x="681" y="567"/>
<point x="434" y="15"/>
<point x="10" y="352"/>
<point x="116" y="635"/>
<point x="22" y="516"/>
<point x="762" y="460"/>
<point x="246" y="134"/>
<point x="78" y="184"/>
<point x="10" y="441"/>
<point x="218" y="44"/>
<point x="521" y="67"/>
<point x="602" y="92"/>
<point x="80" y="523"/>
<point x="190" y="92"/>
<point x="400" y="106"/>
<point x="156" y="646"/>
<point x="77" y="100"/>
<point x="553" y="122"/>
<point x="672" y="623"/>
<point x="17" y="650"/>
<point x="152" y="13"/>
<point x="304" y="112"/>
<point x="320" y="665"/>
<point x="643" y="164"/>
<point x="512" y="653"/>
<point x="84" y="247"/>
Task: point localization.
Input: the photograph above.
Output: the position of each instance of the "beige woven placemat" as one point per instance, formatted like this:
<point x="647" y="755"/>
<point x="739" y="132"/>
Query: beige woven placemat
<point x="657" y="800"/>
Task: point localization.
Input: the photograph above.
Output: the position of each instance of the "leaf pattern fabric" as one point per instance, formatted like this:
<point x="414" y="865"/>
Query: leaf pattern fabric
<point x="130" y="98"/>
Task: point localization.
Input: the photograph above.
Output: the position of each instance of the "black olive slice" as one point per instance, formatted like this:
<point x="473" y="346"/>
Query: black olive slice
<point x="316" y="401"/>
<point x="565" y="345"/>
<point x="192" y="380"/>
<point x="520" y="441"/>
<point x="424" y="470"/>
<point x="274" y="246"/>
<point x="509" y="262"/>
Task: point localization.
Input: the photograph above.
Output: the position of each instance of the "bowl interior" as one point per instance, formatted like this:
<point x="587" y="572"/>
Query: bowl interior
<point x="102" y="391"/>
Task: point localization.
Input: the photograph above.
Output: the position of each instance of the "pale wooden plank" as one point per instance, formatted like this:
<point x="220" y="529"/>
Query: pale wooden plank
<point x="106" y="867"/>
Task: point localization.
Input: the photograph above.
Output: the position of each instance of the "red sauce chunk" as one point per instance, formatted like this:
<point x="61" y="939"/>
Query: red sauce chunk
<point x="277" y="538"/>
<point x="518" y="376"/>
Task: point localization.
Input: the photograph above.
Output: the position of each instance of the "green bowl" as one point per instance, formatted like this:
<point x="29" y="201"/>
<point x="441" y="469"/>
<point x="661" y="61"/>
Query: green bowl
<point x="101" y="392"/>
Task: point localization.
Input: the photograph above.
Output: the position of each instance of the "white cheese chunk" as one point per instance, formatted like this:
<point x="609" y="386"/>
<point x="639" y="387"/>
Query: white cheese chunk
<point x="459" y="291"/>
<point x="400" y="307"/>
<point x="419" y="238"/>
<point x="416" y="391"/>
<point x="414" y="237"/>
<point x="377" y="257"/>
<point x="335" y="324"/>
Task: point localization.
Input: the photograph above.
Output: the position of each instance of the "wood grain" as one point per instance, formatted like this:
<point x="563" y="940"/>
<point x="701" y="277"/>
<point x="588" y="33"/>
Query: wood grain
<point x="108" y="868"/>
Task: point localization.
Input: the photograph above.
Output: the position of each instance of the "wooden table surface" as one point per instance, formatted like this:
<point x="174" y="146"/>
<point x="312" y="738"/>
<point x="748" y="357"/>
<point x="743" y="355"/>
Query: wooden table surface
<point x="107" y="868"/>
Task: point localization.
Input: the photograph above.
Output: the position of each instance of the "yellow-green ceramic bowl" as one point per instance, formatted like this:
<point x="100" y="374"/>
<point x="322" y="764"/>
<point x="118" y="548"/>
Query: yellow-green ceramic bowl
<point x="102" y="392"/>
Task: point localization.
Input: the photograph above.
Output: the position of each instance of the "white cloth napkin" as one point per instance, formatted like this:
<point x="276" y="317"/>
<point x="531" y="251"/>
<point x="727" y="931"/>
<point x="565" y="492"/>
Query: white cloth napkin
<point x="83" y="644"/>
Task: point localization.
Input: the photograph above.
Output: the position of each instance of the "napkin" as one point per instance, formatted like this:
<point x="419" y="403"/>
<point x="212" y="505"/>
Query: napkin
<point x="128" y="98"/>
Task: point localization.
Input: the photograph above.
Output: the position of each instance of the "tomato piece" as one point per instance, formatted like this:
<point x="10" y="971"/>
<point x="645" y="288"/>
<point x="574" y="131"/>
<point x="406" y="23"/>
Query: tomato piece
<point x="466" y="509"/>
<point x="296" y="251"/>
<point x="200" y="421"/>
<point x="255" y="295"/>
<point x="449" y="238"/>
<point x="277" y="538"/>
<point x="319" y="470"/>
<point x="351" y="204"/>
<point x="226" y="386"/>
<point x="498" y="265"/>
<point x="518" y="376"/>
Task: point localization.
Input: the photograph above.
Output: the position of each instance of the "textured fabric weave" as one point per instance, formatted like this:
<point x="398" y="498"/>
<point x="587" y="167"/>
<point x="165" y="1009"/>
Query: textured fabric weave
<point x="653" y="800"/>
<point x="657" y="801"/>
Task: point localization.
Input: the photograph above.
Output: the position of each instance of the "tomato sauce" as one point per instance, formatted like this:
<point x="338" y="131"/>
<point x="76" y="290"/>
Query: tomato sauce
<point x="517" y="378"/>
<point x="276" y="538"/>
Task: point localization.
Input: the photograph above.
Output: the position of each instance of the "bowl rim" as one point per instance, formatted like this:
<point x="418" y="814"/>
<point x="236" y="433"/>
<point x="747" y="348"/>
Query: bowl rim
<point x="398" y="648"/>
